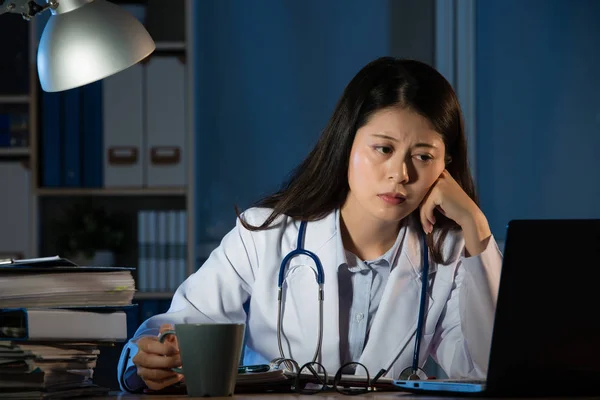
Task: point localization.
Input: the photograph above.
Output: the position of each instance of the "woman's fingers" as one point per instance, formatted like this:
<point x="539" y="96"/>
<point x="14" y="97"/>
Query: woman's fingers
<point x="157" y="379"/>
<point x="170" y="338"/>
<point x="153" y="346"/>
<point x="149" y="360"/>
<point x="154" y="374"/>
<point x="426" y="212"/>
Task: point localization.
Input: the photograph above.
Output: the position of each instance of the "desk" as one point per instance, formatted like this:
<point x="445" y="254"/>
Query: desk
<point x="290" y="396"/>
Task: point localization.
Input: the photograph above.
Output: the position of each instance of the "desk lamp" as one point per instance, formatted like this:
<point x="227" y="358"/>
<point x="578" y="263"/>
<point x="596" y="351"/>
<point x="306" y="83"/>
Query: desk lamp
<point x="83" y="41"/>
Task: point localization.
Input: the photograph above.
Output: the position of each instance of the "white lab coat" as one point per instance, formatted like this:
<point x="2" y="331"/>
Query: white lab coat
<point x="461" y="304"/>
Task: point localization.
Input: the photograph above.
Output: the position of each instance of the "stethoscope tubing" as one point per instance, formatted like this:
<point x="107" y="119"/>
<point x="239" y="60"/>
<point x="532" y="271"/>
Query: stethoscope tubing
<point x="320" y="281"/>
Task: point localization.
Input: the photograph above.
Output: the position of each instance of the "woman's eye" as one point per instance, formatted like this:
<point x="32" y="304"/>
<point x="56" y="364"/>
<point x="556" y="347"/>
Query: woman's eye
<point x="424" y="157"/>
<point x="383" y="149"/>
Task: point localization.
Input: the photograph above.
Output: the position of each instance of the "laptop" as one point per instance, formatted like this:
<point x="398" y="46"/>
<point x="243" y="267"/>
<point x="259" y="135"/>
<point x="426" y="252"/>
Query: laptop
<point x="546" y="338"/>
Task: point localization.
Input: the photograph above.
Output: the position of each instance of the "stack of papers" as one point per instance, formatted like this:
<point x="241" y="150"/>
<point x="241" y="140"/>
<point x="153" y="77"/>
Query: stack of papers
<point x="40" y="370"/>
<point x="53" y="317"/>
<point x="34" y="283"/>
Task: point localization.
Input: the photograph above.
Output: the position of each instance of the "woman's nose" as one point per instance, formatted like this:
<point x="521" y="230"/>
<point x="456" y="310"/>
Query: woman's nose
<point x="399" y="173"/>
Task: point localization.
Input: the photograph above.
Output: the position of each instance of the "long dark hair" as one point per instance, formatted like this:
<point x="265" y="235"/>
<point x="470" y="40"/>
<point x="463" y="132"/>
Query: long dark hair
<point x="320" y="183"/>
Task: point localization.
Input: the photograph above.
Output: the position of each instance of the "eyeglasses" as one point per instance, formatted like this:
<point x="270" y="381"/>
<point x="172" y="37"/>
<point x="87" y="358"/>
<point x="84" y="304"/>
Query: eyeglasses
<point x="352" y="378"/>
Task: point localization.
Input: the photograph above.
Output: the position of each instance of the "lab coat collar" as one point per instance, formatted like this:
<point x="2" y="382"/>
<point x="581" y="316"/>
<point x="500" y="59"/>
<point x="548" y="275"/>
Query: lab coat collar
<point x="319" y="233"/>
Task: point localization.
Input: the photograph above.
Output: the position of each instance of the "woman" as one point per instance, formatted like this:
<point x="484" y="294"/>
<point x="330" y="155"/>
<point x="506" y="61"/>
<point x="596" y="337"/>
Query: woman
<point x="389" y="169"/>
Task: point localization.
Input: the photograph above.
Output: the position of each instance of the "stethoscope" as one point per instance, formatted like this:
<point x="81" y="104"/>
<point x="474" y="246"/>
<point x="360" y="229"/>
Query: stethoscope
<point x="410" y="373"/>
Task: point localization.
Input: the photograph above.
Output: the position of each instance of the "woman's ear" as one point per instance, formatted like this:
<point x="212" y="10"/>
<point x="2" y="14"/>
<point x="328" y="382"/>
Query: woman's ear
<point x="448" y="160"/>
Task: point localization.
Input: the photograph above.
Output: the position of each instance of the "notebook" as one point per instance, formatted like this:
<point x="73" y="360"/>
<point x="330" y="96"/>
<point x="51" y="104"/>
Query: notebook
<point x="546" y="332"/>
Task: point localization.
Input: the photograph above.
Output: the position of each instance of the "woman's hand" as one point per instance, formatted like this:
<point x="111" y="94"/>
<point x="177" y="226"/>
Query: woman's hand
<point x="154" y="360"/>
<point x="450" y="199"/>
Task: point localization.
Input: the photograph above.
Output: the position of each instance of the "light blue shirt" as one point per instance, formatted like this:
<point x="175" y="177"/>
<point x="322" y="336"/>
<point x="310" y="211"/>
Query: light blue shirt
<point x="361" y="285"/>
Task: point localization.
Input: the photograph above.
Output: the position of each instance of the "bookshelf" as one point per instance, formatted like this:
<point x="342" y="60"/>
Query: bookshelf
<point x="68" y="192"/>
<point x="14" y="151"/>
<point x="18" y="114"/>
<point x="153" y="295"/>
<point x="15" y="99"/>
<point x="43" y="201"/>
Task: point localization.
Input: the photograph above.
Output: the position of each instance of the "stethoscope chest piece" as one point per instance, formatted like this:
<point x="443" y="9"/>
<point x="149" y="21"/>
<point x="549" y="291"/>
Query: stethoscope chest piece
<point x="410" y="374"/>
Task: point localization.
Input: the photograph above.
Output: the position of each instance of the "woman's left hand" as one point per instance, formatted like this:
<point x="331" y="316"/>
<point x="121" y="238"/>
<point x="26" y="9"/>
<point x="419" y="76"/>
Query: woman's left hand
<point x="450" y="199"/>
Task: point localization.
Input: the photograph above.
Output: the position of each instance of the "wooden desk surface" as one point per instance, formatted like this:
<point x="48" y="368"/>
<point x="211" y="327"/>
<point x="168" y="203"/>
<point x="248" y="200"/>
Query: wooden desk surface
<point x="288" y="396"/>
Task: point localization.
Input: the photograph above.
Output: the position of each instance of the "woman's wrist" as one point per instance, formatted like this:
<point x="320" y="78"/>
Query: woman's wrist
<point x="476" y="232"/>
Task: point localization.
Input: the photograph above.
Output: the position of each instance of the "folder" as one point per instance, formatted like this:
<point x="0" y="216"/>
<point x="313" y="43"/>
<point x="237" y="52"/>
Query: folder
<point x="62" y="324"/>
<point x="123" y="126"/>
<point x="165" y="122"/>
<point x="16" y="208"/>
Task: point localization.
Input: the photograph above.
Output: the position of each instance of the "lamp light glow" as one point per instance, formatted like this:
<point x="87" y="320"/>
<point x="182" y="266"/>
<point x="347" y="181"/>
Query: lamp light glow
<point x="88" y="40"/>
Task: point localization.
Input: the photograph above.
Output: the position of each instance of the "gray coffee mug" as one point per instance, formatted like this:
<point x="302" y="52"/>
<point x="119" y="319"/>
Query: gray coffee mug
<point x="210" y="356"/>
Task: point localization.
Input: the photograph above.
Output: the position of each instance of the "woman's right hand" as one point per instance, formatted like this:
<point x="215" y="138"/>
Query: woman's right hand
<point x="154" y="360"/>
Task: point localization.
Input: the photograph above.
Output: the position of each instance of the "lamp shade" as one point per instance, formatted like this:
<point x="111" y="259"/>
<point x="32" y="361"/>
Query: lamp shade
<point x="88" y="40"/>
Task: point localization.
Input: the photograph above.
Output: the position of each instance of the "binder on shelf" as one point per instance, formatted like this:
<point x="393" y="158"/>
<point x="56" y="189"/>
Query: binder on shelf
<point x="51" y="146"/>
<point x="4" y="130"/>
<point x="172" y="252"/>
<point x="123" y="127"/>
<point x="71" y="166"/>
<point x="142" y="269"/>
<point x="182" y="244"/>
<point x="161" y="246"/>
<point x="152" y="252"/>
<point x="40" y="324"/>
<point x="152" y="307"/>
<point x="165" y="122"/>
<point x="92" y="133"/>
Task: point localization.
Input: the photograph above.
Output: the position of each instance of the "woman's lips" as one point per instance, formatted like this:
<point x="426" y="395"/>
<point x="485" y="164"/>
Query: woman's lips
<point x="392" y="199"/>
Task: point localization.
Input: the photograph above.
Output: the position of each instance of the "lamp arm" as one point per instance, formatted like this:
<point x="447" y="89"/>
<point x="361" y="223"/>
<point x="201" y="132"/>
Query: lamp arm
<point x="27" y="8"/>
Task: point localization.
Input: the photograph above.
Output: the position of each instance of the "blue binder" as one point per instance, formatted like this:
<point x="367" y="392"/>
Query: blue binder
<point x="92" y="135"/>
<point x="72" y="138"/>
<point x="52" y="154"/>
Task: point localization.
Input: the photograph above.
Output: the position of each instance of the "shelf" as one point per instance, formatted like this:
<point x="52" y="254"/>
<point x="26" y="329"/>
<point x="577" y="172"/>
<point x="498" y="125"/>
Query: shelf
<point x="111" y="191"/>
<point x="14" y="151"/>
<point x="152" y="295"/>
<point x="170" y="46"/>
<point x="16" y="99"/>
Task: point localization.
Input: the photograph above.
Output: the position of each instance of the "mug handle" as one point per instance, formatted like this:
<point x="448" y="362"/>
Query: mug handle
<point x="161" y="339"/>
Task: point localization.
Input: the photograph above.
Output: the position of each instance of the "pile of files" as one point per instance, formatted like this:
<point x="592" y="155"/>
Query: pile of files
<point x="55" y="317"/>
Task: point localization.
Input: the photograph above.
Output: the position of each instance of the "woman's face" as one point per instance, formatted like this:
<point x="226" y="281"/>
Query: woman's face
<point x="395" y="158"/>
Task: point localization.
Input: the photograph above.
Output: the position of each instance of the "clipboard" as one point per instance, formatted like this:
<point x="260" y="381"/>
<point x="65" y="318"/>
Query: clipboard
<point x="52" y="264"/>
<point x="288" y="385"/>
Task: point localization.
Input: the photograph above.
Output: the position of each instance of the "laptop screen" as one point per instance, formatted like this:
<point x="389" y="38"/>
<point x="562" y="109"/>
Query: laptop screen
<point x="546" y="326"/>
